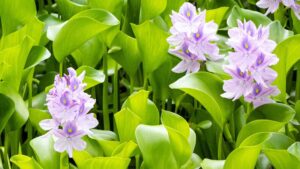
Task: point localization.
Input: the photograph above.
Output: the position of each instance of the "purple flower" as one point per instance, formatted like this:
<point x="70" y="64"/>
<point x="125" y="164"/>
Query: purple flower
<point x="249" y="64"/>
<point x="69" y="105"/>
<point x="69" y="138"/>
<point x="192" y="39"/>
<point x="270" y="5"/>
<point x="261" y="95"/>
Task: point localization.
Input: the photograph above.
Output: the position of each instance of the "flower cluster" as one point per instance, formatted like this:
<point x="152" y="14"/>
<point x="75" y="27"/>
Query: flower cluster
<point x="192" y="39"/>
<point x="68" y="106"/>
<point x="249" y="64"/>
<point x="272" y="5"/>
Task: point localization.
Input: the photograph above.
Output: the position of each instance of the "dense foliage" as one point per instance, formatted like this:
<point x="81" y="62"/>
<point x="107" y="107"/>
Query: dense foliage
<point x="150" y="84"/>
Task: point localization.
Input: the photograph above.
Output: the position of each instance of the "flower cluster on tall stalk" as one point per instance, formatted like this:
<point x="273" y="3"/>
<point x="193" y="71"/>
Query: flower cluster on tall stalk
<point x="68" y="106"/>
<point x="249" y="64"/>
<point x="273" y="5"/>
<point x="192" y="38"/>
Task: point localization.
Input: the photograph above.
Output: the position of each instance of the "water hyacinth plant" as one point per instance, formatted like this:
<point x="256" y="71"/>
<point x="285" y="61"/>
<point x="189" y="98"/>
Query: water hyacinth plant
<point x="69" y="105"/>
<point x="140" y="84"/>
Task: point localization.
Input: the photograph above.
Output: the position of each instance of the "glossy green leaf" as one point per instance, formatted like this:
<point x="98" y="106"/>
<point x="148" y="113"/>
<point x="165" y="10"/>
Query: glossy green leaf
<point x="295" y="149"/>
<point x="212" y="164"/>
<point x="126" y="149"/>
<point x="207" y="89"/>
<point x="7" y="108"/>
<point x="68" y="8"/>
<point x="216" y="15"/>
<point x="257" y="126"/>
<point x="287" y="52"/>
<point x="106" y="162"/>
<point x="148" y="35"/>
<point x="90" y="53"/>
<point x="128" y="54"/>
<point x="268" y="140"/>
<point x="25" y="162"/>
<point x="44" y="151"/>
<point x="35" y="116"/>
<point x="92" y="76"/>
<point x="236" y="159"/>
<point x="37" y="55"/>
<point x="12" y="20"/>
<point x="127" y="130"/>
<point x="91" y="22"/>
<point x="80" y="157"/>
<point x="296" y="22"/>
<point x="176" y="122"/>
<point x="143" y="107"/>
<point x="21" y="114"/>
<point x="193" y="163"/>
<point x="278" y="33"/>
<point x="282" y="159"/>
<point x="241" y="14"/>
<point x="150" y="9"/>
<point x="154" y="144"/>
<point x="273" y="111"/>
<point x="114" y="6"/>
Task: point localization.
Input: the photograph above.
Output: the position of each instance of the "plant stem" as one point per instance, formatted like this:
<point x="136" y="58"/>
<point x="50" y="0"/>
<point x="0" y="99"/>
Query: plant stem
<point x="145" y="81"/>
<point x="116" y="89"/>
<point x="137" y="161"/>
<point x="61" y="67"/>
<point x="297" y="97"/>
<point x="220" y="143"/>
<point x="105" y="95"/>
<point x="131" y="78"/>
<point x="6" y="148"/>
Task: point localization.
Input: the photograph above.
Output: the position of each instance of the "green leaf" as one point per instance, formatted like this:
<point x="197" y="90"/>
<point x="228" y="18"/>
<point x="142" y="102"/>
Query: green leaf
<point x="114" y="6"/>
<point x="68" y="8"/>
<point x="128" y="54"/>
<point x="126" y="130"/>
<point x="80" y="28"/>
<point x="212" y="164"/>
<point x="243" y="157"/>
<point x="296" y="22"/>
<point x="126" y="149"/>
<point x="154" y="144"/>
<point x="25" y="162"/>
<point x="257" y="126"/>
<point x="273" y="111"/>
<point x="153" y="8"/>
<point x="143" y="107"/>
<point x="148" y="36"/>
<point x="44" y="151"/>
<point x="282" y="159"/>
<point x="241" y="14"/>
<point x="92" y="76"/>
<point x="37" y="115"/>
<point x="80" y="157"/>
<point x="90" y="53"/>
<point x="287" y="52"/>
<point x="176" y="122"/>
<point x="20" y="116"/>
<point x="7" y="108"/>
<point x="207" y="89"/>
<point x="11" y="19"/>
<point x="278" y="33"/>
<point x="37" y="55"/>
<point x="268" y="140"/>
<point x="106" y="162"/>
<point x="216" y="15"/>
<point x="295" y="149"/>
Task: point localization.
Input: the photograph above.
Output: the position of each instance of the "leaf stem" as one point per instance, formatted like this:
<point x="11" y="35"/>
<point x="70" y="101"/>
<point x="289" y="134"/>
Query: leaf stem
<point x="220" y="143"/>
<point x="116" y="89"/>
<point x="297" y="97"/>
<point x="61" y="67"/>
<point x="106" y="121"/>
<point x="137" y="161"/>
